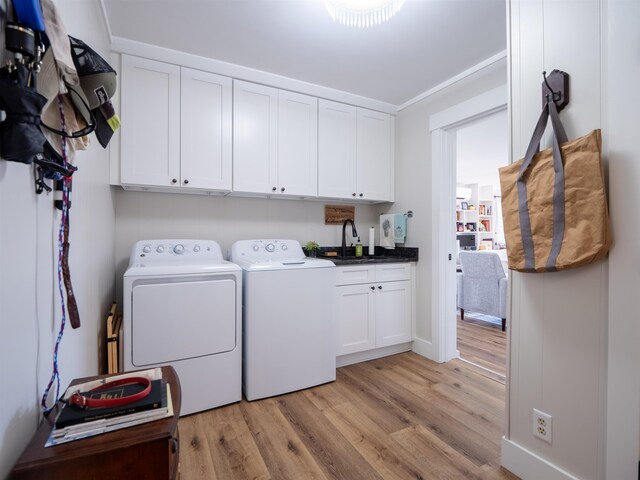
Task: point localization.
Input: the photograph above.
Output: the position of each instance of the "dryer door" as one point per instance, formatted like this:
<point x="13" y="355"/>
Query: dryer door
<point x="180" y="319"/>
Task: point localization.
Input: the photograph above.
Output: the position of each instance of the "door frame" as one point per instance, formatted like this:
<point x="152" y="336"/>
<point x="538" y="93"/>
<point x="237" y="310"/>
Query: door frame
<point x="442" y="126"/>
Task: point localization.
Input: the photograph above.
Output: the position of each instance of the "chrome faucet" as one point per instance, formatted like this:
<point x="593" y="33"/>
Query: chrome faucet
<point x="354" y="232"/>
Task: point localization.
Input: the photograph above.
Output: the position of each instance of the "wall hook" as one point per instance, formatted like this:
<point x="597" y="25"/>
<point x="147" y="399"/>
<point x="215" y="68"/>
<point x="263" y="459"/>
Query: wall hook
<point x="555" y="87"/>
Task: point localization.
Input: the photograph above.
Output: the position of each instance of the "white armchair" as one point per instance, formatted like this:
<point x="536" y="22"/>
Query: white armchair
<point x="482" y="285"/>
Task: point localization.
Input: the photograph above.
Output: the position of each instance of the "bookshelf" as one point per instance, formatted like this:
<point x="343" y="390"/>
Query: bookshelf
<point x="475" y="216"/>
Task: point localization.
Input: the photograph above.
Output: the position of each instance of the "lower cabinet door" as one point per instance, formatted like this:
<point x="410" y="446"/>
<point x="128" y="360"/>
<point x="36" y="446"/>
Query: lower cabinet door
<point x="393" y="313"/>
<point x="356" y="318"/>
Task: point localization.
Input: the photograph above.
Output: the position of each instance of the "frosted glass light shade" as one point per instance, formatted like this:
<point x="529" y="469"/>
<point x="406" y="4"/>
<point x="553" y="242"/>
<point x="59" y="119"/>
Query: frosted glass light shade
<point x="362" y="13"/>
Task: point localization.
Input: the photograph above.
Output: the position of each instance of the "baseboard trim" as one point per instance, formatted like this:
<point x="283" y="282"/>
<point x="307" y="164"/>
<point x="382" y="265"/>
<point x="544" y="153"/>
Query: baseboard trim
<point x="358" y="357"/>
<point x="424" y="348"/>
<point x="528" y="465"/>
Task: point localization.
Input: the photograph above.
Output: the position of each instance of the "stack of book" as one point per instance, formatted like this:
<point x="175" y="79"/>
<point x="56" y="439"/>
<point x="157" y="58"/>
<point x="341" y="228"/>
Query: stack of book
<point x="74" y="423"/>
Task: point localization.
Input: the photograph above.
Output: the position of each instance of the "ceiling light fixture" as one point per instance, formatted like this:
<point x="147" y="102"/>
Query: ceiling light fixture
<point x="362" y="13"/>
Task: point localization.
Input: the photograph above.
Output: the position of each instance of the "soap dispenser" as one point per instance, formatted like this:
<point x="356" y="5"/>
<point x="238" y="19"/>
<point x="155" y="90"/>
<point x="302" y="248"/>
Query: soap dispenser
<point x="359" y="248"/>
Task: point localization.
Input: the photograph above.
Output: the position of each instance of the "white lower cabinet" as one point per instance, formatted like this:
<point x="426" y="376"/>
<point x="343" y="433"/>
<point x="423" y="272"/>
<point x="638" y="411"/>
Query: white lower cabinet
<point x="374" y="306"/>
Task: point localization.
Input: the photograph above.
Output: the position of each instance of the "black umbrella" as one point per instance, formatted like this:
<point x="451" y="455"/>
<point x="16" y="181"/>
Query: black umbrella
<point x="20" y="136"/>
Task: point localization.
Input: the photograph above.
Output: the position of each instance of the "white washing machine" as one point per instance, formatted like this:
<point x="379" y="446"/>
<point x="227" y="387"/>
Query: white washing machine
<point x="183" y="307"/>
<point x="289" y="339"/>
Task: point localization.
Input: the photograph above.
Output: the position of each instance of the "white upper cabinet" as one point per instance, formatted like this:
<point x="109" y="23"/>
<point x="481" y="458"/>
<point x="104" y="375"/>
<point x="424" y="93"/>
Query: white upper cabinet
<point x="297" y="144"/>
<point x="205" y="128"/>
<point x="275" y="141"/>
<point x="337" y="148"/>
<point x="255" y="138"/>
<point x="355" y="157"/>
<point x="176" y="129"/>
<point x="375" y="172"/>
<point x="150" y="138"/>
<point x="191" y="131"/>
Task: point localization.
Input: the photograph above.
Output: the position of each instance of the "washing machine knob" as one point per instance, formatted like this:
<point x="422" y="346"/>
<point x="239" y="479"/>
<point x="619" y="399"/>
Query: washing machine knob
<point x="284" y="247"/>
<point x="270" y="247"/>
<point x="256" y="247"/>
<point x="178" y="249"/>
<point x="146" y="249"/>
<point x="160" y="249"/>
<point x="196" y="248"/>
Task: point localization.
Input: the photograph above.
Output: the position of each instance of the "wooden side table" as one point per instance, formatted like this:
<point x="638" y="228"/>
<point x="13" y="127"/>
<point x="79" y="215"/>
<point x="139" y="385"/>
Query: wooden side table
<point x="147" y="451"/>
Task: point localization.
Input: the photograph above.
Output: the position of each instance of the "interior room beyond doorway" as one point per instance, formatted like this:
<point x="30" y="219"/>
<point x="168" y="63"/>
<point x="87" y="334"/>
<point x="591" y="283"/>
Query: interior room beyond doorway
<point x="481" y="271"/>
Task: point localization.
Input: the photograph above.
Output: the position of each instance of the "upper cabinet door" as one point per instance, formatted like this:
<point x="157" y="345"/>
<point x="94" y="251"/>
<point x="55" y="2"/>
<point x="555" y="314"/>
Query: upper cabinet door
<point x="375" y="171"/>
<point x="206" y="123"/>
<point x="150" y="148"/>
<point x="255" y="138"/>
<point x="337" y="140"/>
<point x="297" y="144"/>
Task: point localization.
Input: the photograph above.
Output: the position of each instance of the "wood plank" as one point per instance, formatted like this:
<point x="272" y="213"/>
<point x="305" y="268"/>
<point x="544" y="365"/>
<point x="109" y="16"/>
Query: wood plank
<point x="482" y="343"/>
<point x="453" y="425"/>
<point x="233" y="450"/>
<point x="398" y="417"/>
<point x="335" y="454"/>
<point x="285" y="456"/>
<point x="382" y="452"/>
<point x="337" y="214"/>
<point x="195" y="452"/>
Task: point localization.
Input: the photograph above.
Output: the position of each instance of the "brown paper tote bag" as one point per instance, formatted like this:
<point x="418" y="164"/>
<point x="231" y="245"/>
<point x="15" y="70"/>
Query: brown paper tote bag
<point x="554" y="204"/>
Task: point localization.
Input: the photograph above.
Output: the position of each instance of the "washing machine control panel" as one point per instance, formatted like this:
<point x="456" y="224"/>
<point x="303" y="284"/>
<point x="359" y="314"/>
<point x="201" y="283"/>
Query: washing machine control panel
<point x="266" y="250"/>
<point x="176" y="251"/>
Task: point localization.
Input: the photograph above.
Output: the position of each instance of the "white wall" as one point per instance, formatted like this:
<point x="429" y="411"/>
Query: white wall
<point x="560" y="321"/>
<point x="29" y="313"/>
<point x="413" y="175"/>
<point x="144" y="215"/>
<point x="481" y="148"/>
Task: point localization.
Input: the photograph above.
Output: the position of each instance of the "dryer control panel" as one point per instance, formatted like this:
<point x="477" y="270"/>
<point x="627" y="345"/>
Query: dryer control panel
<point x="178" y="250"/>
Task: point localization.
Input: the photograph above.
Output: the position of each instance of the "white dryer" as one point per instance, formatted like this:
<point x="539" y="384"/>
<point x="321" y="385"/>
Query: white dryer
<point x="183" y="307"/>
<point x="289" y="317"/>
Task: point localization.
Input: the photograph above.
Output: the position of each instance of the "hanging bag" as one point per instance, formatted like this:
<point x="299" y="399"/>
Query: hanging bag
<point x="554" y="203"/>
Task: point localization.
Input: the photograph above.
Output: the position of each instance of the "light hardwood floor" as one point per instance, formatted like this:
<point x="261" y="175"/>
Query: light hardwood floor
<point x="483" y="343"/>
<point x="399" y="417"/>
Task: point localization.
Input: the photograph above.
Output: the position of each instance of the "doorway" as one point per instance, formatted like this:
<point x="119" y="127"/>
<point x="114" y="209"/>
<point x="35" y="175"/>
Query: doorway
<point x="481" y="149"/>
<point x="443" y="127"/>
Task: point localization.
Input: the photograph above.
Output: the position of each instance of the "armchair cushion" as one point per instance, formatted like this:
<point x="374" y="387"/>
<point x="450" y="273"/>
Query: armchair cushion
<point x="482" y="284"/>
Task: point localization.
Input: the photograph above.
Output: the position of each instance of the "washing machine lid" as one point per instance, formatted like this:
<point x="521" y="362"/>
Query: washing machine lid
<point x="273" y="254"/>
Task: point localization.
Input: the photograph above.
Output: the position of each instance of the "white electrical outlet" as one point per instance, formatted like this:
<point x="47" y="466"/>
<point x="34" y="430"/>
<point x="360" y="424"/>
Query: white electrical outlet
<point x="542" y="425"/>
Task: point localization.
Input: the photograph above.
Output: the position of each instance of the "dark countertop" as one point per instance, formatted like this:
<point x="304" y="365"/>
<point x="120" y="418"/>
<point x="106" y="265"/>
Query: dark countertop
<point x="382" y="255"/>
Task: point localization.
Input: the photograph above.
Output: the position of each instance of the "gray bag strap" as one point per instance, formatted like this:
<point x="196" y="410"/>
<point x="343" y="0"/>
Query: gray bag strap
<point x="558" y="136"/>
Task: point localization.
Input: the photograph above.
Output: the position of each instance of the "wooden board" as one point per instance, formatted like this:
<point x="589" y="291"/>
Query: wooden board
<point x="112" y="340"/>
<point x="337" y="214"/>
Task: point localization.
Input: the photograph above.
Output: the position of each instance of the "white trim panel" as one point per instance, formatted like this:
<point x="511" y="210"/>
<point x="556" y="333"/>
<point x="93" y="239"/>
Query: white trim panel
<point x="447" y="83"/>
<point x="526" y="464"/>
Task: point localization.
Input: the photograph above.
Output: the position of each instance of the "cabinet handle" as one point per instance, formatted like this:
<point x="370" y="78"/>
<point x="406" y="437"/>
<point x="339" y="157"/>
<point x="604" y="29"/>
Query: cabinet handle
<point x="282" y="189"/>
<point x="273" y="189"/>
<point x="361" y="195"/>
<point x="174" y="180"/>
<point x="175" y="445"/>
<point x="353" y="194"/>
<point x="373" y="288"/>
<point x="186" y="182"/>
<point x="379" y="287"/>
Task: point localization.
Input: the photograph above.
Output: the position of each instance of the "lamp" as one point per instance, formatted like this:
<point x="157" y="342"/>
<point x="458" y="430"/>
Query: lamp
<point x="362" y="13"/>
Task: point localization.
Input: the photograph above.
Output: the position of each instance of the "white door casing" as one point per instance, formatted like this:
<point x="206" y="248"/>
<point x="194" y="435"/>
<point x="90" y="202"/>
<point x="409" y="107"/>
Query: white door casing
<point x="442" y="126"/>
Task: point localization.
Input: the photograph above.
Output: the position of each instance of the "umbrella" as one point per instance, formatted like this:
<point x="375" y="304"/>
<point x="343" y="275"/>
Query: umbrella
<point x="20" y="136"/>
